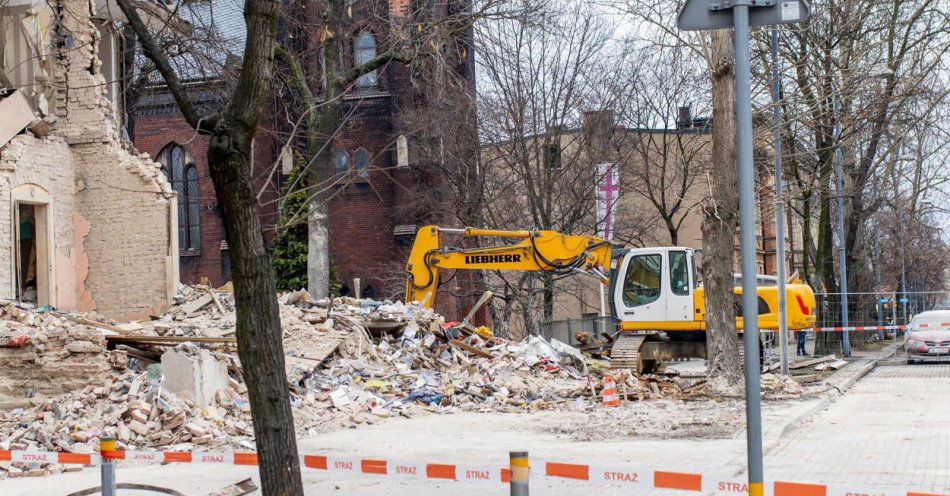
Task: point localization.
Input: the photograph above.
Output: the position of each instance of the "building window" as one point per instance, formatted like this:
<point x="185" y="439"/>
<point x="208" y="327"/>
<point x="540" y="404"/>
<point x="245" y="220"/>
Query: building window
<point x="194" y="228"/>
<point x="679" y="273"/>
<point x="184" y="181"/>
<point x="361" y="162"/>
<point x="643" y="282"/>
<point x="365" y="51"/>
<point x="225" y="264"/>
<point x="368" y="292"/>
<point x="341" y="161"/>
<point x="552" y="156"/>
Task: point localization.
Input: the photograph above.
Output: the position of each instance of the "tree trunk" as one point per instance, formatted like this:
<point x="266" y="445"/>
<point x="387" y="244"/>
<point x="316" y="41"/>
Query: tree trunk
<point x="548" y="281"/>
<point x="719" y="224"/>
<point x="322" y="127"/>
<point x="318" y="249"/>
<point x="260" y="341"/>
<point x="806" y="239"/>
<point x="672" y="229"/>
<point x="258" y="329"/>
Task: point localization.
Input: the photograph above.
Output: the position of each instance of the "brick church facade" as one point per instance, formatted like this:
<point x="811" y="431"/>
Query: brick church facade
<point x="162" y="133"/>
<point x="373" y="212"/>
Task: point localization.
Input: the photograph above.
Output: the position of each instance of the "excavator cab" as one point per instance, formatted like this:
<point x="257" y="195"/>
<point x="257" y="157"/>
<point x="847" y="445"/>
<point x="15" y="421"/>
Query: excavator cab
<point x="660" y="307"/>
<point x="654" y="286"/>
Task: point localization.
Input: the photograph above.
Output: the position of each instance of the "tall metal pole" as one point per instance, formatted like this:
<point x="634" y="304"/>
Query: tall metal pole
<point x="779" y="205"/>
<point x="878" y="304"/>
<point x="842" y="264"/>
<point x="903" y="299"/>
<point x="750" y="318"/>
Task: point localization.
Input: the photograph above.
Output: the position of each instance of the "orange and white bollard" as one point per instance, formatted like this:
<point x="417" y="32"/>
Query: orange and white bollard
<point x="610" y="397"/>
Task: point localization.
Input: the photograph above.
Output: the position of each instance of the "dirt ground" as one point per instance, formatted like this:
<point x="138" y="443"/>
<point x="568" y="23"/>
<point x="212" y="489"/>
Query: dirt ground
<point x="647" y="436"/>
<point x="660" y="419"/>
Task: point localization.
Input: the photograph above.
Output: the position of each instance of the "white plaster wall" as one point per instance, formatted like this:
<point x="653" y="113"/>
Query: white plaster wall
<point x="48" y="164"/>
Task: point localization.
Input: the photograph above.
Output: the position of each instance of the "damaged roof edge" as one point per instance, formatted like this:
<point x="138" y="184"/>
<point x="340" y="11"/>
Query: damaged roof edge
<point x="156" y="16"/>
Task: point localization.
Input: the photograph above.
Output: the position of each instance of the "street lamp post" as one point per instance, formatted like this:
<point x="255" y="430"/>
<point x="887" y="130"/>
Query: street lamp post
<point x="842" y="263"/>
<point x="779" y="206"/>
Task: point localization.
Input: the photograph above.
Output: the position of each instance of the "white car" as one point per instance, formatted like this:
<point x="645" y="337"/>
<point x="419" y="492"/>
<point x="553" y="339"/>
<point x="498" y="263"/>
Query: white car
<point x="928" y="337"/>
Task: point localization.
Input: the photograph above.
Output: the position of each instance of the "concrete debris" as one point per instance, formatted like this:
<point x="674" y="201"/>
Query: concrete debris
<point x="835" y="365"/>
<point x="194" y="374"/>
<point x="777" y="386"/>
<point x="246" y="486"/>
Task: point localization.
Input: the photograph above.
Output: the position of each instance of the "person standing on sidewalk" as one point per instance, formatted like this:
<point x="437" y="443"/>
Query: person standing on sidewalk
<point x="800" y="338"/>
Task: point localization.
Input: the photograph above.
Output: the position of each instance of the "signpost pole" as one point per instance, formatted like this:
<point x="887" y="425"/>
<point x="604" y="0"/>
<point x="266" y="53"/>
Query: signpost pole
<point x="750" y="303"/>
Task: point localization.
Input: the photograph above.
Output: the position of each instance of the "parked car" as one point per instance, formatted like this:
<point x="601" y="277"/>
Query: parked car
<point x="928" y="337"/>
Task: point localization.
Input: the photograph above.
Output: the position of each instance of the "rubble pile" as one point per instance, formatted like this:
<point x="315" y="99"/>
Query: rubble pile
<point x="43" y="354"/>
<point x="349" y="362"/>
<point x="777" y="386"/>
<point x="135" y="409"/>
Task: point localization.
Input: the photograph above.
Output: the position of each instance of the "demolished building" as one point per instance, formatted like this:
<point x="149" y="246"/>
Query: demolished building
<point x="86" y="222"/>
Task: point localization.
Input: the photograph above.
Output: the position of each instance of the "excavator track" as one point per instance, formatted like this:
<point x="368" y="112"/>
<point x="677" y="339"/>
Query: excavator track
<point x="625" y="353"/>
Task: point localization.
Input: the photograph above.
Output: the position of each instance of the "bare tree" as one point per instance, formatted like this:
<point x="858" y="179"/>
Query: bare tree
<point x="548" y="84"/>
<point x="231" y="130"/>
<point x="873" y="67"/>
<point x="670" y="158"/>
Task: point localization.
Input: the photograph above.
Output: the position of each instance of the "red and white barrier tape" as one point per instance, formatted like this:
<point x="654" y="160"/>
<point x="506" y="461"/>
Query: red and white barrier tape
<point x="859" y="328"/>
<point x="883" y="328"/>
<point x="603" y="475"/>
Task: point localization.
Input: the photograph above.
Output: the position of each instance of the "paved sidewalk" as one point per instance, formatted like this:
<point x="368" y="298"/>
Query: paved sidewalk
<point x="891" y="429"/>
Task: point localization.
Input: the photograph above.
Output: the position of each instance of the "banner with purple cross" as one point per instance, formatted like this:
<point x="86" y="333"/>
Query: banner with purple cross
<point x="608" y="189"/>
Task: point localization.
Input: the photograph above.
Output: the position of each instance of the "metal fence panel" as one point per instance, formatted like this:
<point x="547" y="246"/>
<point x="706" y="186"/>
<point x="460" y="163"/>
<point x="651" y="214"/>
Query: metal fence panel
<point x="565" y="330"/>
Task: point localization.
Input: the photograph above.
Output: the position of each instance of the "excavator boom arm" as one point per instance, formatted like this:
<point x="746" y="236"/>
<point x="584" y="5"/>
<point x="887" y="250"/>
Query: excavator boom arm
<point x="537" y="251"/>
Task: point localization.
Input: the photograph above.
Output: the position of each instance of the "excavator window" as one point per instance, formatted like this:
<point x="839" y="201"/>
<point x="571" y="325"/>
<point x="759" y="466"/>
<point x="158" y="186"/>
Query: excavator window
<point x="643" y="282"/>
<point x="679" y="273"/>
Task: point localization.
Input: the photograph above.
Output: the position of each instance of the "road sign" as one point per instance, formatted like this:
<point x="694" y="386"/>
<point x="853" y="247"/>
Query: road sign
<point x="717" y="14"/>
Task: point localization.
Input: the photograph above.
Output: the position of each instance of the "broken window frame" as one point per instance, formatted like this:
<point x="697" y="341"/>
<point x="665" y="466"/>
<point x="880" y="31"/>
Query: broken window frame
<point x="26" y="62"/>
<point x="108" y="52"/>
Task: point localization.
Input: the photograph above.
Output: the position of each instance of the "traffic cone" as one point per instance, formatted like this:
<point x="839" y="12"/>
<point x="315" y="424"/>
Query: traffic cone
<point x="610" y="391"/>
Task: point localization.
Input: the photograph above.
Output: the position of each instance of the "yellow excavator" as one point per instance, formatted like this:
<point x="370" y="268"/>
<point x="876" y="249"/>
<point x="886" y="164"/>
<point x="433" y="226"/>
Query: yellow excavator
<point x="652" y="293"/>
